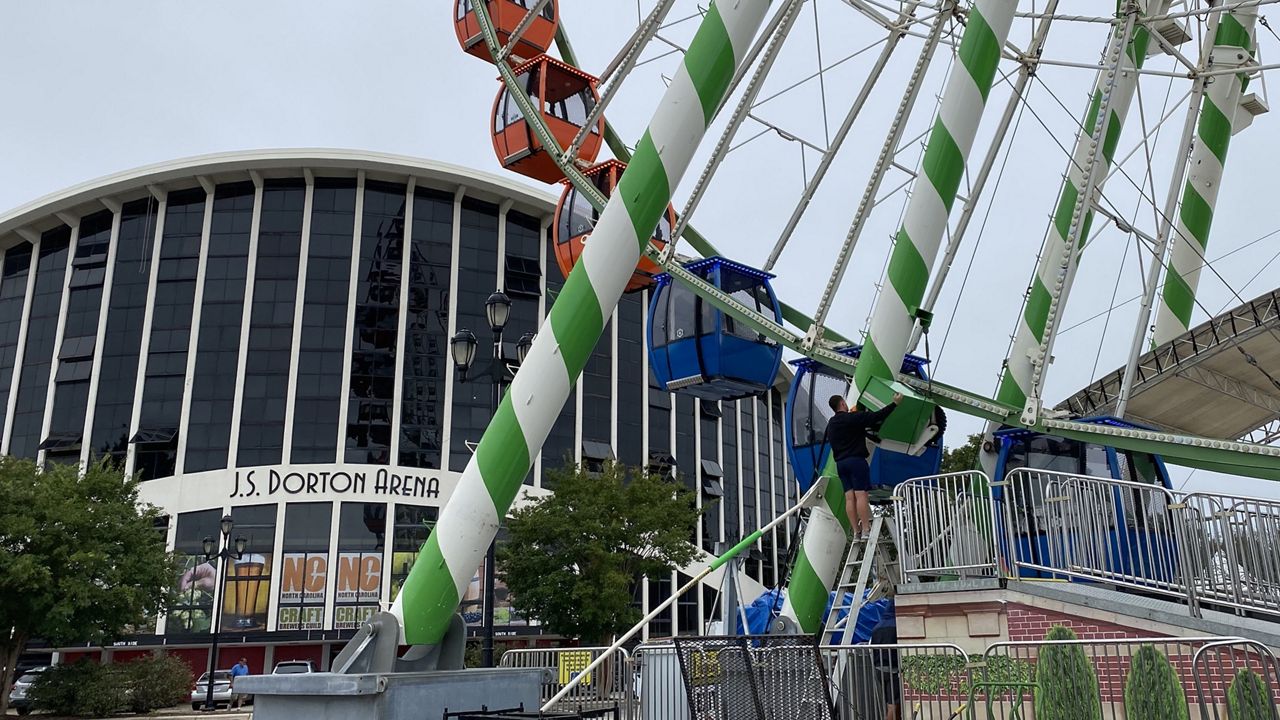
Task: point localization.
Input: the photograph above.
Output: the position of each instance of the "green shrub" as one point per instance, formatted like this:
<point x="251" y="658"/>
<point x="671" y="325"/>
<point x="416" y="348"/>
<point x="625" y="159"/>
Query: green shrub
<point x="156" y="682"/>
<point x="1248" y="697"/>
<point x="84" y="689"/>
<point x="1066" y="686"/>
<point x="1152" y="690"/>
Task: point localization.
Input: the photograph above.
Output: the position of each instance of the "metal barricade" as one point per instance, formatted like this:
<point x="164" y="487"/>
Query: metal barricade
<point x="875" y="682"/>
<point x="610" y="685"/>
<point x="1063" y="525"/>
<point x="760" y="677"/>
<point x="1105" y="679"/>
<point x="1236" y="678"/>
<point x="1234" y="543"/>
<point x="946" y="526"/>
<point x="658" y="687"/>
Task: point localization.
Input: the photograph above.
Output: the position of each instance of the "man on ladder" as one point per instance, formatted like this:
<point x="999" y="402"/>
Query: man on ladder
<point x="847" y="434"/>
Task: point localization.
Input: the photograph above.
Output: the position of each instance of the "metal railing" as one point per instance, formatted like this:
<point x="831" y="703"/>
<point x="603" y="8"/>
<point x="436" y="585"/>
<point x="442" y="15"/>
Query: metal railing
<point x="610" y="685"/>
<point x="1110" y="678"/>
<point x="945" y="526"/>
<point x="919" y="681"/>
<point x="1195" y="548"/>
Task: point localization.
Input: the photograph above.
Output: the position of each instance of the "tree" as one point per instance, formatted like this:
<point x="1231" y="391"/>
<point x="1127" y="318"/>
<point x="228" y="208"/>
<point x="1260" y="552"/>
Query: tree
<point x="964" y="457"/>
<point x="572" y="559"/>
<point x="1066" y="685"/>
<point x="80" y="558"/>
<point x="1153" y="690"/>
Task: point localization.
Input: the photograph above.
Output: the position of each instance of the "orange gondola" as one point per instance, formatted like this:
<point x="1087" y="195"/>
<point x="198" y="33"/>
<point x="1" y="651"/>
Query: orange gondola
<point x="506" y="15"/>
<point x="565" y="96"/>
<point x="575" y="217"/>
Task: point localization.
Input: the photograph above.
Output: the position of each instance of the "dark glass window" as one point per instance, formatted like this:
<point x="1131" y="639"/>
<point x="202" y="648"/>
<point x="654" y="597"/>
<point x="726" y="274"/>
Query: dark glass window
<point x="686" y="440"/>
<point x="631" y="379"/>
<point x="362" y="530"/>
<point x="688" y="621"/>
<point x="523" y="278"/>
<point x="37" y="355"/>
<point x="213" y="384"/>
<point x="156" y="439"/>
<point x="748" y="449"/>
<point x="412" y="528"/>
<point x="597" y="390"/>
<point x="426" y="333"/>
<point x="709" y="423"/>
<point x="304" y="566"/>
<point x="192" y="609"/>
<point x="247" y="593"/>
<point x="659" y="420"/>
<point x="559" y="446"/>
<point x="477" y="279"/>
<point x="377" y="322"/>
<point x="660" y="590"/>
<point x="118" y="375"/>
<point x="732" y="481"/>
<point x="275" y="288"/>
<point x="13" y="295"/>
<point x="779" y="461"/>
<point x="79" y="336"/>
<point x="764" y="474"/>
<point x="324" y="322"/>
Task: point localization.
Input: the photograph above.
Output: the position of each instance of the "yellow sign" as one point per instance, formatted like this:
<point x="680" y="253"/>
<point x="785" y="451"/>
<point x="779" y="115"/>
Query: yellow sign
<point x="572" y="664"/>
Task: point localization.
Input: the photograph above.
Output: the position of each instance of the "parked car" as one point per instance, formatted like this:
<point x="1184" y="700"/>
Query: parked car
<point x="293" y="667"/>
<point x="18" y="695"/>
<point x="221" y="690"/>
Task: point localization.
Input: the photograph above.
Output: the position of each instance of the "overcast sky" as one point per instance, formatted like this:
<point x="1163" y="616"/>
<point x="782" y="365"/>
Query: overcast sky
<point x="99" y="87"/>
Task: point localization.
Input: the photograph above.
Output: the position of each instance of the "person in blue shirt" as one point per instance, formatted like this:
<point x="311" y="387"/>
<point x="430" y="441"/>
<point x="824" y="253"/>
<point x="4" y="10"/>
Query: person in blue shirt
<point x="240" y="669"/>
<point x="847" y="433"/>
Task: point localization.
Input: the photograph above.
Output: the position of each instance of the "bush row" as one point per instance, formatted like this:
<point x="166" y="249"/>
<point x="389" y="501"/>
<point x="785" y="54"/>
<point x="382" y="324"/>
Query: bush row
<point x="91" y="689"/>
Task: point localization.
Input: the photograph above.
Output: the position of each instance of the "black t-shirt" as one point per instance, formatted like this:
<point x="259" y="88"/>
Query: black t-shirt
<point x="847" y="431"/>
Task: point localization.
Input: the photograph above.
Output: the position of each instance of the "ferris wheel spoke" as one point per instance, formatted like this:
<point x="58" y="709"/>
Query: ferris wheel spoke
<point x="887" y="150"/>
<point x="622" y="65"/>
<point x="520" y="29"/>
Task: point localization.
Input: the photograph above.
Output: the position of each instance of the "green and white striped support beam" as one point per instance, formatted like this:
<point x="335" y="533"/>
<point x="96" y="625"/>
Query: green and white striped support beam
<point x="1020" y="369"/>
<point x="925" y="220"/>
<point x="964" y="99"/>
<point x="817" y="565"/>
<point x="513" y="439"/>
<point x="1232" y="47"/>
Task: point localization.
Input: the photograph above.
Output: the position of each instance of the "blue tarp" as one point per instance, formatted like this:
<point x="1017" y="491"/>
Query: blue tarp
<point x="764" y="609"/>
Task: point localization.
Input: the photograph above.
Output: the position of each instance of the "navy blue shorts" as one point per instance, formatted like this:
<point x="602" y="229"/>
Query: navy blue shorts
<point x="855" y="474"/>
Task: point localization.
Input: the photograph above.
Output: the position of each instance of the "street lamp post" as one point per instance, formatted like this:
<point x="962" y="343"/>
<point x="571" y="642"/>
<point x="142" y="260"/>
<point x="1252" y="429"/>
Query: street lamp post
<point x="224" y="556"/>
<point x="497" y="310"/>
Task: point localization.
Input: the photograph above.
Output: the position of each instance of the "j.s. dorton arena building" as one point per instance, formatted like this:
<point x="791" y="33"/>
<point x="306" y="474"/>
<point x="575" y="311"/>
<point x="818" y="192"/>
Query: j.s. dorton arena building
<point x="266" y="334"/>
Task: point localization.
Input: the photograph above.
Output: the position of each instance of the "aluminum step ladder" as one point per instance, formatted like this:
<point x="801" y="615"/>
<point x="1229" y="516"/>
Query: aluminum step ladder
<point x="870" y="564"/>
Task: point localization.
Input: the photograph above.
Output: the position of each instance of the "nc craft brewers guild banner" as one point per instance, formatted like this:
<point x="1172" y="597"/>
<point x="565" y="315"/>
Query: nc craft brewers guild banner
<point x="303" y="578"/>
<point x="358" y="589"/>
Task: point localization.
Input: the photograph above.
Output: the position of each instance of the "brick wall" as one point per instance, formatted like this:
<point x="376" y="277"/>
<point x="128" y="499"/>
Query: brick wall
<point x="1029" y="623"/>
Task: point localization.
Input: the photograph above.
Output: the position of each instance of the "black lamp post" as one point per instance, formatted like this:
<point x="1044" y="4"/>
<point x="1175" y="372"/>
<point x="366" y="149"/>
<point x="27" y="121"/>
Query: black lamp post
<point x="224" y="555"/>
<point x="497" y="310"/>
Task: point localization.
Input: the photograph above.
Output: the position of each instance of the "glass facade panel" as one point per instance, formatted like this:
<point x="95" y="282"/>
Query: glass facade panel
<point x="362" y="529"/>
<point x="213" y="385"/>
<point x="13" y="296"/>
<point x="597" y="390"/>
<point x="747" y="421"/>
<point x="192" y="608"/>
<point x="426" y="330"/>
<point x="522" y="282"/>
<point x="412" y="528"/>
<point x="710" y="503"/>
<point x="79" y="336"/>
<point x="732" y="481"/>
<point x="377" y="323"/>
<point x="660" y="590"/>
<point x="156" y="439"/>
<point x="688" y="621"/>
<point x="122" y="342"/>
<point x="780" y="498"/>
<point x="275" y="287"/>
<point x="324" y="322"/>
<point x="304" y="566"/>
<point x="246" y="594"/>
<point x="560" y="446"/>
<point x="37" y="354"/>
<point x="631" y="379"/>
<point x="477" y="279"/>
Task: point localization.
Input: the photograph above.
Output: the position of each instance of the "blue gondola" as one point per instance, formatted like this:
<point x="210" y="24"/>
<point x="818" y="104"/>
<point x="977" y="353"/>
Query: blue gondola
<point x="696" y="349"/>
<point x="808" y="412"/>
<point x="1134" y="550"/>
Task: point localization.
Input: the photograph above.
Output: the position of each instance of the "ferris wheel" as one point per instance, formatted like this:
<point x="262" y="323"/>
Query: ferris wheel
<point x="718" y="326"/>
